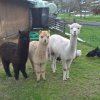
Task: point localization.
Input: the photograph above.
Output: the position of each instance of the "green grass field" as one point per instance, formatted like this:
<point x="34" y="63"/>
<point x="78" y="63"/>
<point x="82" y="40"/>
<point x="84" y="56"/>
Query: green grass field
<point x="89" y="34"/>
<point x="84" y="82"/>
<point x="87" y="18"/>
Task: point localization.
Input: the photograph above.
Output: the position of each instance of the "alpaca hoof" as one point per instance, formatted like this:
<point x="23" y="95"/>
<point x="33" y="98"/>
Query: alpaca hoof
<point x="68" y="78"/>
<point x="38" y="80"/>
<point x="64" y="79"/>
<point x="9" y="75"/>
<point x="16" y="79"/>
<point x="44" y="79"/>
<point x="54" y="71"/>
<point x="26" y="77"/>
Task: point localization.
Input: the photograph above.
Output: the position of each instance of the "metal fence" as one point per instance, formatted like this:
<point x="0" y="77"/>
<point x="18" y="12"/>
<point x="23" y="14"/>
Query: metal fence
<point x="57" y="24"/>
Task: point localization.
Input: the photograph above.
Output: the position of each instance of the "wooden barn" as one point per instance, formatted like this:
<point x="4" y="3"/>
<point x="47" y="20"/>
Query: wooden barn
<point x="14" y="16"/>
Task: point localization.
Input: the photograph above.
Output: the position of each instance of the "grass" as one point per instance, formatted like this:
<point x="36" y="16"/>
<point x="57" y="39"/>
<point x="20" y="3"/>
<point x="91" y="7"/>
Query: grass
<point x="84" y="82"/>
<point x="87" y="18"/>
<point x="90" y="35"/>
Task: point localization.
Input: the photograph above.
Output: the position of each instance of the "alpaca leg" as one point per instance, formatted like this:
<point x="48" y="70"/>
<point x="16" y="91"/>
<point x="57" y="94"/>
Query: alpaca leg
<point x="23" y="70"/>
<point x="16" y="71"/>
<point x="38" y="71"/>
<point x="64" y="70"/>
<point x="53" y="66"/>
<point x="49" y="55"/>
<point x="32" y="63"/>
<point x="68" y="67"/>
<point x="43" y="71"/>
<point x="6" y="68"/>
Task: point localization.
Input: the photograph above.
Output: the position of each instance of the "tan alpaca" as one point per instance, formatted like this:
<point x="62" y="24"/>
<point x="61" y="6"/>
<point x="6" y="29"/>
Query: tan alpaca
<point x="38" y="54"/>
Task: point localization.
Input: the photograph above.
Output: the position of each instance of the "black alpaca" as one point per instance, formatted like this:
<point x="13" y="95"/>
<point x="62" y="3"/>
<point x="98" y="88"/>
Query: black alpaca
<point x="16" y="54"/>
<point x="93" y="52"/>
<point x="98" y="53"/>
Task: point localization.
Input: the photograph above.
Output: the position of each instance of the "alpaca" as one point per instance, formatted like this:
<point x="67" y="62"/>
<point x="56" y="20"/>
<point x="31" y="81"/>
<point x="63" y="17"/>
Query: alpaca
<point x="38" y="54"/>
<point x="77" y="54"/>
<point x="98" y="53"/>
<point x="16" y="54"/>
<point x="65" y="48"/>
<point x="93" y="52"/>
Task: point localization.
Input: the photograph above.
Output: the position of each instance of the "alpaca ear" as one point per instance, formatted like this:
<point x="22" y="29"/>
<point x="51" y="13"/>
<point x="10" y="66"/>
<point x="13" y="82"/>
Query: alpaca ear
<point x="97" y="47"/>
<point x="69" y="25"/>
<point x="19" y="32"/>
<point x="49" y="31"/>
<point x="40" y="31"/>
<point x="80" y="26"/>
<point x="27" y="31"/>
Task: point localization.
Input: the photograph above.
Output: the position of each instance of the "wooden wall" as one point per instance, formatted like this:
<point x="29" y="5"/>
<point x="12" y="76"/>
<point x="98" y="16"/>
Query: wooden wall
<point x="14" y="16"/>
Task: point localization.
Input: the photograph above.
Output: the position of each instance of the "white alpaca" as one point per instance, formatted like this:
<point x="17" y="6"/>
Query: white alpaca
<point x="64" y="48"/>
<point x="38" y="54"/>
<point x="78" y="53"/>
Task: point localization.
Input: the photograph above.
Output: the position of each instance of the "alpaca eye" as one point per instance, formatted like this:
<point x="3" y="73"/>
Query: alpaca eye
<point x="47" y="36"/>
<point x="71" y="28"/>
<point x="78" y="28"/>
<point x="41" y="36"/>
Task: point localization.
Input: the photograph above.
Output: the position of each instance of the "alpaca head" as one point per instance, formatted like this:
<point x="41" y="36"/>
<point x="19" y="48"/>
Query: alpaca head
<point x="24" y="37"/>
<point x="75" y="29"/>
<point x="44" y="36"/>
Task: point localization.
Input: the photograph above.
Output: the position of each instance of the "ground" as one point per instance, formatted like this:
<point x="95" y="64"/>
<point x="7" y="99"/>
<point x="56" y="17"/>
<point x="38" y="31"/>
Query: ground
<point x="84" y="82"/>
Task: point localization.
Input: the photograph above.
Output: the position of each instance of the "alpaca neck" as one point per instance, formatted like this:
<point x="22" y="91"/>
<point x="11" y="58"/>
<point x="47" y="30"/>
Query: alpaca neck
<point x="42" y="48"/>
<point x="73" y="42"/>
<point x="23" y="48"/>
<point x="40" y="53"/>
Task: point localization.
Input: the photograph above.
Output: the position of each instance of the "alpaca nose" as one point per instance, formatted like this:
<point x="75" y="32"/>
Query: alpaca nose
<point x="74" y="31"/>
<point x="45" y="40"/>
